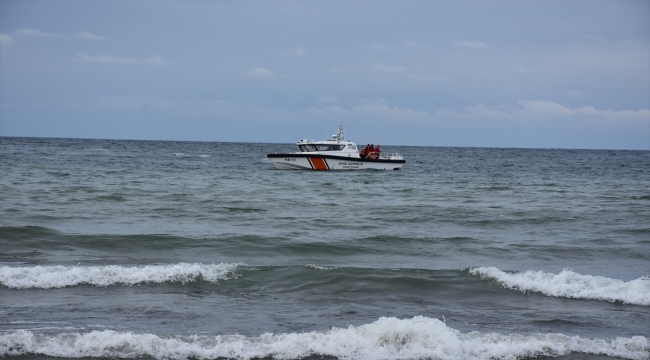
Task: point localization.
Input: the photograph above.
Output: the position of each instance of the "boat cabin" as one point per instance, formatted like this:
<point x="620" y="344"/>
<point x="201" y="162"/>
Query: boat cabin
<point x="321" y="147"/>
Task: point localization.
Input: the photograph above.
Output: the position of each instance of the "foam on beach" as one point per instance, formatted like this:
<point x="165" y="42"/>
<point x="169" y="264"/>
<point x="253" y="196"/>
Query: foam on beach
<point x="386" y="338"/>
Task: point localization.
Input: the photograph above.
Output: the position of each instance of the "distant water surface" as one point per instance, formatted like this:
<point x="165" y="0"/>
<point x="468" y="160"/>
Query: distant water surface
<point x="174" y="250"/>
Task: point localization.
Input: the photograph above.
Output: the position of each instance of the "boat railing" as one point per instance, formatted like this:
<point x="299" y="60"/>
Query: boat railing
<point x="382" y="155"/>
<point x="389" y="154"/>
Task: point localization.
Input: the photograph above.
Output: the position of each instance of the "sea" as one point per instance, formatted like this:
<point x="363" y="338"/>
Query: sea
<point x="117" y="249"/>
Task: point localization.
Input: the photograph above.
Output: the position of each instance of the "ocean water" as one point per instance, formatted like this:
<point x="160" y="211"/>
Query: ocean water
<point x="175" y="250"/>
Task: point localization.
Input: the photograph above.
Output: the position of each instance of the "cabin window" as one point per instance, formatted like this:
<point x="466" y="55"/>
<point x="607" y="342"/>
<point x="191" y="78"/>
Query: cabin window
<point x="321" y="147"/>
<point x="328" y="147"/>
<point x="307" y="148"/>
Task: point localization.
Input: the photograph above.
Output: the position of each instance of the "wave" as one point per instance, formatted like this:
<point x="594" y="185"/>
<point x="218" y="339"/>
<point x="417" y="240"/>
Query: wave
<point x="386" y="338"/>
<point x="18" y="232"/>
<point x="572" y="285"/>
<point x="321" y="267"/>
<point x="335" y="279"/>
<point x="47" y="277"/>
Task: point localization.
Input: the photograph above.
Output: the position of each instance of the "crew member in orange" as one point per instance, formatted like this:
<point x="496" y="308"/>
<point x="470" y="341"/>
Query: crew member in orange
<point x="364" y="152"/>
<point x="371" y="152"/>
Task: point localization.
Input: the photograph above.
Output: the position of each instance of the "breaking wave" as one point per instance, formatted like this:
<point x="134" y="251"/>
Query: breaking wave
<point x="47" y="277"/>
<point x="572" y="285"/>
<point x="386" y="338"/>
<point x="321" y="267"/>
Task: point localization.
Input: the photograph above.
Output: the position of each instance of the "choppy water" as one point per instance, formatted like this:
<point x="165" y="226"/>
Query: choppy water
<point x="122" y="249"/>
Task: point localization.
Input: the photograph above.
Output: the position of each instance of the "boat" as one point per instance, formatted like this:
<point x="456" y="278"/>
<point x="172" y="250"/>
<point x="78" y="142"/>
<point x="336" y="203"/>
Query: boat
<point x="336" y="154"/>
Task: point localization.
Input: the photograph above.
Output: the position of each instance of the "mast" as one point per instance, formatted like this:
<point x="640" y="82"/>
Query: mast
<point x="339" y="135"/>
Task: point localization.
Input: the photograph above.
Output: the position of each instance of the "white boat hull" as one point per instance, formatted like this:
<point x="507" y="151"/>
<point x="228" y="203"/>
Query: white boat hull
<point x="325" y="162"/>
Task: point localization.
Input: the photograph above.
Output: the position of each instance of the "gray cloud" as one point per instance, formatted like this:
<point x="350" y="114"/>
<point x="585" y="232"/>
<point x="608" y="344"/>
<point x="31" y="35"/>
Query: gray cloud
<point x="259" y="72"/>
<point x="6" y="40"/>
<point x="108" y="59"/>
<point x="85" y="35"/>
<point x="376" y="46"/>
<point x="473" y="44"/>
<point x="294" y="52"/>
<point x="35" y="33"/>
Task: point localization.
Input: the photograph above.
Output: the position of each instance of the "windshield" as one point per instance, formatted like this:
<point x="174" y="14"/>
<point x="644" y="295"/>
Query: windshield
<point x="321" y="147"/>
<point x="307" y="148"/>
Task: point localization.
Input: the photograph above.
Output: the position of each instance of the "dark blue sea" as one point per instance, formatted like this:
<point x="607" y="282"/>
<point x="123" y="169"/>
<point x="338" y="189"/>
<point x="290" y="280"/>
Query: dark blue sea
<point x="120" y="249"/>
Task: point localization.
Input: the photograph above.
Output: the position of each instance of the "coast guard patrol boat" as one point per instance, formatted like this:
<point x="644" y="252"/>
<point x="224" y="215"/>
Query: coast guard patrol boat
<point x="336" y="154"/>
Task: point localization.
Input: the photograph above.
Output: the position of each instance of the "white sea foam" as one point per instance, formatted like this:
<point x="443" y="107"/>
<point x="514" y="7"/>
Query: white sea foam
<point x="386" y="338"/>
<point x="321" y="267"/>
<point x="572" y="285"/>
<point x="46" y="277"/>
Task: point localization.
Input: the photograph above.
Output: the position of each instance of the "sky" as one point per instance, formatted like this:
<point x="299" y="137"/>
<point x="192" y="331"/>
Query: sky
<point x="528" y="74"/>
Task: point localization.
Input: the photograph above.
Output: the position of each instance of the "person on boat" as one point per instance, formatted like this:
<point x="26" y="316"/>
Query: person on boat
<point x="371" y="152"/>
<point x="378" y="150"/>
<point x="364" y="152"/>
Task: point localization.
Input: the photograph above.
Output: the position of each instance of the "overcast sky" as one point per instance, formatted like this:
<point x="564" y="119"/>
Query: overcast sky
<point x="551" y="74"/>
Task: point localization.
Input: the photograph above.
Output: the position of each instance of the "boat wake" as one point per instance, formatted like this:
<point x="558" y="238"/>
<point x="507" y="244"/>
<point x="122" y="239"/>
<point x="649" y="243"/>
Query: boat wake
<point x="572" y="285"/>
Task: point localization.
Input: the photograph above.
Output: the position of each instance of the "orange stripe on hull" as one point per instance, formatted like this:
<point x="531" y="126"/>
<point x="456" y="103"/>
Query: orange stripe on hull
<point x="318" y="163"/>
